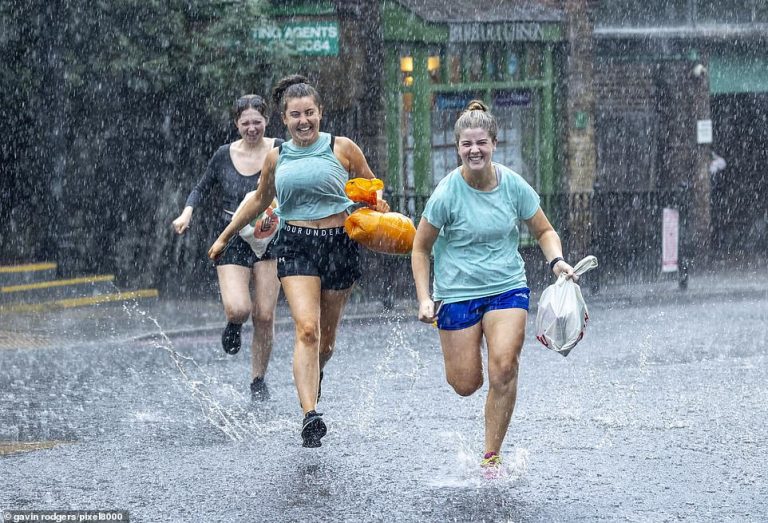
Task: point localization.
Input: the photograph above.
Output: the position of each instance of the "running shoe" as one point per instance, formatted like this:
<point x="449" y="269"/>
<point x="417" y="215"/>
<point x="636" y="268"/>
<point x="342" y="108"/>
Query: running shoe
<point x="259" y="390"/>
<point x="491" y="460"/>
<point x="313" y="429"/>
<point x="230" y="338"/>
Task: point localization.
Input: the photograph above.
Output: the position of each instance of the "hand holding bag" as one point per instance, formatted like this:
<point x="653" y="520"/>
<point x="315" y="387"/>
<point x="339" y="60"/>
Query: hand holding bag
<point x="261" y="230"/>
<point x="562" y="315"/>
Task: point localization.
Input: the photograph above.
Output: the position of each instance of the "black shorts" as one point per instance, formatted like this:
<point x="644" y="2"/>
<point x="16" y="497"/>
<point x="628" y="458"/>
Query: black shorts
<point x="238" y="252"/>
<point x="327" y="253"/>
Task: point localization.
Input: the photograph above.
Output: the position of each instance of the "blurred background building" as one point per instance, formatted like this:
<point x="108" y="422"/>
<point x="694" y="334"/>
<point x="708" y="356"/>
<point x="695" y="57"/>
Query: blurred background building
<point x="612" y="110"/>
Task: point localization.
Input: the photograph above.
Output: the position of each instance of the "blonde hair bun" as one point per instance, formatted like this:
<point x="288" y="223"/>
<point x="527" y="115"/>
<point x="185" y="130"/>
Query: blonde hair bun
<point x="477" y="105"/>
<point x="476" y="116"/>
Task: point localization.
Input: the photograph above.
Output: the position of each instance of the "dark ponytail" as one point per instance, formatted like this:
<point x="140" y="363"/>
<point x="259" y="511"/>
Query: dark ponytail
<point x="293" y="86"/>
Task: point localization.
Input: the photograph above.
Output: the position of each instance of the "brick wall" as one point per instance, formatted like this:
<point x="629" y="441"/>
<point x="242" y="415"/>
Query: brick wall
<point x="626" y="124"/>
<point x="648" y="106"/>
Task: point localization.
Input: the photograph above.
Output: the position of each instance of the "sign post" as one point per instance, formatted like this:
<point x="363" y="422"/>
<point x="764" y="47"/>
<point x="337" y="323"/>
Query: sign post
<point x="670" y="234"/>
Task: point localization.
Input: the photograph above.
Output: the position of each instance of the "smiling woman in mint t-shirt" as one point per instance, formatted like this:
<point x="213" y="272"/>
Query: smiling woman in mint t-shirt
<point x="470" y="225"/>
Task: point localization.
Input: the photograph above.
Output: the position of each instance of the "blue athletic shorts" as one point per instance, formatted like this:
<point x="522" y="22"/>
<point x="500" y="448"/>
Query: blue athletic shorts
<point x="463" y="314"/>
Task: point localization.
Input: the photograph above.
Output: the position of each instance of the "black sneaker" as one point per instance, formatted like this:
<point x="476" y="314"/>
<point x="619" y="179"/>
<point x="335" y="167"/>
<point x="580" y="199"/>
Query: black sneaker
<point x="230" y="338"/>
<point x="313" y="429"/>
<point x="320" y="386"/>
<point x="259" y="390"/>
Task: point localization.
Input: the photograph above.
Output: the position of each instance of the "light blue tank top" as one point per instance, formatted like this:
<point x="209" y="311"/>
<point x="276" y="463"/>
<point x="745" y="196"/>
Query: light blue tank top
<point x="310" y="181"/>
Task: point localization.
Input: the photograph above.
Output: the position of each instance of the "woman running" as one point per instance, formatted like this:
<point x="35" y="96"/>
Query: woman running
<point x="470" y="224"/>
<point x="317" y="262"/>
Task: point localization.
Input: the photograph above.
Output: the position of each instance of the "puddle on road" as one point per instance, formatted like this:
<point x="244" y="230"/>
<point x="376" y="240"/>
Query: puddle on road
<point x="464" y="471"/>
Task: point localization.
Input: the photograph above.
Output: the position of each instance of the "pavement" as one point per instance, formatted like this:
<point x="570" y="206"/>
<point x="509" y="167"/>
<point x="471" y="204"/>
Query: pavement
<point x="142" y="319"/>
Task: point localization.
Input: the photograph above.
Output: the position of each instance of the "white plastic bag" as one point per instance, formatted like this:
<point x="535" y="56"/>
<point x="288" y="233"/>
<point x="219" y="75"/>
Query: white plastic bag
<point x="260" y="231"/>
<point x="562" y="316"/>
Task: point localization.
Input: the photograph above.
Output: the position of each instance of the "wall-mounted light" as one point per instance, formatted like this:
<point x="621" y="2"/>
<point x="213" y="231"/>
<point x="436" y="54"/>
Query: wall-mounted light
<point x="433" y="63"/>
<point x="406" y="66"/>
<point x="699" y="70"/>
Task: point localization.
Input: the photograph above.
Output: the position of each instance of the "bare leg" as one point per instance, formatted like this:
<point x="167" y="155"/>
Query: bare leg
<point x="504" y="333"/>
<point x="266" y="289"/>
<point x="331" y="307"/>
<point x="463" y="359"/>
<point x="303" y="295"/>
<point x="234" y="283"/>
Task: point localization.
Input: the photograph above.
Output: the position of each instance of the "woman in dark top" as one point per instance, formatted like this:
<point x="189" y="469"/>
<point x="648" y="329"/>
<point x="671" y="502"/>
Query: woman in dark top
<point x="235" y="170"/>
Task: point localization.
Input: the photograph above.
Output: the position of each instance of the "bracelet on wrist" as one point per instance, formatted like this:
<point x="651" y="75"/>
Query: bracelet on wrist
<point x="554" y="262"/>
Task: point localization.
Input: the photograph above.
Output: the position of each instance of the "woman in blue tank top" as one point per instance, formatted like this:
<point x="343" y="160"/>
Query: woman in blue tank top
<point x="317" y="262"/>
<point x="234" y="170"/>
<point x="470" y="224"/>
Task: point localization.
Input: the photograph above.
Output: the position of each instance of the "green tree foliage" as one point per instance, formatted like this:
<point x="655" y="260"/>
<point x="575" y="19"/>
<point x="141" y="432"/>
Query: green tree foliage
<point x="111" y="109"/>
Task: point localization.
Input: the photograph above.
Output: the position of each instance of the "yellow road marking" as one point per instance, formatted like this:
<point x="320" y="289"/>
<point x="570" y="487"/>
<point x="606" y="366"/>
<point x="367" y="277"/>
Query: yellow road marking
<point x="44" y="266"/>
<point x="79" y="302"/>
<point x="14" y="447"/>
<point x="57" y="283"/>
<point x="22" y="340"/>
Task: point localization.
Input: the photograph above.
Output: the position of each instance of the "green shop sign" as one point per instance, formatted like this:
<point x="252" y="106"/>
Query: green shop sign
<point x="315" y="38"/>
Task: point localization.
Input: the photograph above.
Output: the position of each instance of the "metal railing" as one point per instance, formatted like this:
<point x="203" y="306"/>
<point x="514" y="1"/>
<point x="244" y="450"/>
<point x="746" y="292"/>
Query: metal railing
<point x="623" y="229"/>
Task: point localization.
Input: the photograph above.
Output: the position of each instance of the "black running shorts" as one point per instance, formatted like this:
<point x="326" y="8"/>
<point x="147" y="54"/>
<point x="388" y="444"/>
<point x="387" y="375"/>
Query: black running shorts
<point x="327" y="253"/>
<point x="238" y="252"/>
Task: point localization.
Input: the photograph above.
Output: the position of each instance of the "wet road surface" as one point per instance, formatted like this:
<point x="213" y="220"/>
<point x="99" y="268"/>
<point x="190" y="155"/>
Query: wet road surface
<point x="658" y="415"/>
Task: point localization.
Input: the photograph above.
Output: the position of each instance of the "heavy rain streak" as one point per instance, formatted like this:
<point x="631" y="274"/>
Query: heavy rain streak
<point x="383" y="260"/>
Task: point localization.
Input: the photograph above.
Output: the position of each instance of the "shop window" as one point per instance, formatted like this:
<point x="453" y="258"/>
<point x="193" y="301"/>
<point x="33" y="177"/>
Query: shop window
<point x="496" y="65"/>
<point x="512" y="64"/>
<point x="518" y="147"/>
<point x="446" y="109"/>
<point x="473" y="62"/>
<point x="408" y="102"/>
<point x="533" y="62"/>
<point x="454" y="68"/>
<point x="433" y="68"/>
<point x="486" y="63"/>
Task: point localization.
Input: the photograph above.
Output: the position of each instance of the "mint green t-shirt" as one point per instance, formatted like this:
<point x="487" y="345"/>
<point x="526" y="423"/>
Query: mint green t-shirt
<point x="476" y="251"/>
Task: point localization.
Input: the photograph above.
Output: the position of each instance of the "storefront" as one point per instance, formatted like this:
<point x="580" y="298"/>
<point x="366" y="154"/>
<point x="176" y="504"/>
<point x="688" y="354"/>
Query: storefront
<point x="681" y="83"/>
<point x="738" y="86"/>
<point x="437" y="61"/>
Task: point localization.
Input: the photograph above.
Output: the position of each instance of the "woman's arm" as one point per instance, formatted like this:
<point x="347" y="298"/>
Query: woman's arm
<point x="181" y="224"/>
<point x="426" y="235"/>
<point x="549" y="242"/>
<point x="200" y="191"/>
<point x="252" y="207"/>
<point x="353" y="160"/>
